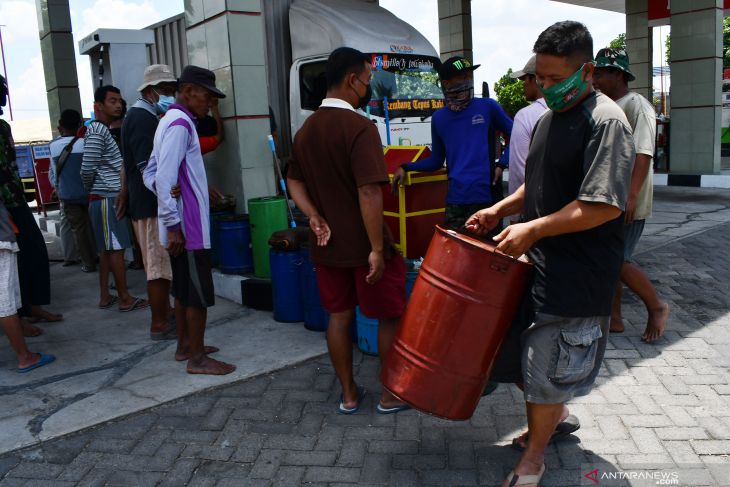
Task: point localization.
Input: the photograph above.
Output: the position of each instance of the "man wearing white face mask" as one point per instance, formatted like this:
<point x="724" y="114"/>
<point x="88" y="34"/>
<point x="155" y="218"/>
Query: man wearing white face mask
<point x="138" y="132"/>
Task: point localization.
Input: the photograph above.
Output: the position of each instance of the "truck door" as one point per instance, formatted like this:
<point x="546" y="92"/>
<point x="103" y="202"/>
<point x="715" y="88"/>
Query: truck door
<point x="308" y="87"/>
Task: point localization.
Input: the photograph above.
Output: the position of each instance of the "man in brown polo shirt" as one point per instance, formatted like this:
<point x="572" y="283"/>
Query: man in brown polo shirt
<point x="335" y="177"/>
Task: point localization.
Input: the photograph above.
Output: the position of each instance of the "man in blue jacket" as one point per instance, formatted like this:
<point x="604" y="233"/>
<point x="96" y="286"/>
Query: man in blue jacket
<point x="460" y="135"/>
<point x="65" y="176"/>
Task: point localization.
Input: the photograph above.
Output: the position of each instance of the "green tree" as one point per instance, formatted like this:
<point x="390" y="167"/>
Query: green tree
<point x="667" y="48"/>
<point x="510" y="94"/>
<point x="726" y="42"/>
<point x="619" y="42"/>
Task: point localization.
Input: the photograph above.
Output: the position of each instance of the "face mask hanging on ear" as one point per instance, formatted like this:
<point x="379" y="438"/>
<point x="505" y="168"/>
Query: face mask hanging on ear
<point x="564" y="95"/>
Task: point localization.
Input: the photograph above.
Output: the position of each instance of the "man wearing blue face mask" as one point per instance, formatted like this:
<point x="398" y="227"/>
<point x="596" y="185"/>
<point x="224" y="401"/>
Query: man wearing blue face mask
<point x="138" y="133"/>
<point x="460" y="134"/>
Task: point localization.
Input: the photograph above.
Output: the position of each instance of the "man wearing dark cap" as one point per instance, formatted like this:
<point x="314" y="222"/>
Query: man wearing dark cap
<point x="460" y="134"/>
<point x="612" y="76"/>
<point x="183" y="222"/>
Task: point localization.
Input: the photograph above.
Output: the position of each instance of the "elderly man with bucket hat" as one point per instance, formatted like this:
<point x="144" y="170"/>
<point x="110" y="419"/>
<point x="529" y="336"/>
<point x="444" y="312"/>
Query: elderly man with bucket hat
<point x="140" y="204"/>
<point x="184" y="227"/>
<point x="524" y="124"/>
<point x="460" y="134"/>
<point x="612" y="76"/>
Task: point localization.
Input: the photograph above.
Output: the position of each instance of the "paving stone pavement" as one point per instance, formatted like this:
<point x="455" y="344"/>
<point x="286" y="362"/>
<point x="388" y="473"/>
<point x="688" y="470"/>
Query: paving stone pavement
<point x="661" y="408"/>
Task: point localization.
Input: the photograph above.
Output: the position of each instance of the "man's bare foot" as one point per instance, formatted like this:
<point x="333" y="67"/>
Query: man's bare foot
<point x="209" y="366"/>
<point x="656" y="323"/>
<point x="617" y="325"/>
<point x="185" y="354"/>
<point x="30" y="331"/>
<point x="39" y="314"/>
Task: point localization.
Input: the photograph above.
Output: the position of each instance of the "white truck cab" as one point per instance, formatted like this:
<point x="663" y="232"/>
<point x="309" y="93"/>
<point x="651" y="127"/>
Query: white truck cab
<point x="403" y="61"/>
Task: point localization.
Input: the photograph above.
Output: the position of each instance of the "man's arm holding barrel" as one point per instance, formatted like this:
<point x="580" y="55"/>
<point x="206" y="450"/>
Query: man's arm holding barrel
<point x="484" y="220"/>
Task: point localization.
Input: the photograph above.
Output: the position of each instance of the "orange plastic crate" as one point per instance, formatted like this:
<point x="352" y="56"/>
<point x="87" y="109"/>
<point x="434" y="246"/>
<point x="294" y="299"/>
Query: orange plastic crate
<point x="418" y="207"/>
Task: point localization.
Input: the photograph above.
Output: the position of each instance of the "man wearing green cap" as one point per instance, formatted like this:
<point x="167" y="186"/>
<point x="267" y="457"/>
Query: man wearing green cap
<point x="612" y="75"/>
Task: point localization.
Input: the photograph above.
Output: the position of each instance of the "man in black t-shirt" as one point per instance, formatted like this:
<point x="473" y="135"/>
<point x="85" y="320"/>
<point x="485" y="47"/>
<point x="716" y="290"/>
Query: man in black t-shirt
<point x="138" y="133"/>
<point x="576" y="186"/>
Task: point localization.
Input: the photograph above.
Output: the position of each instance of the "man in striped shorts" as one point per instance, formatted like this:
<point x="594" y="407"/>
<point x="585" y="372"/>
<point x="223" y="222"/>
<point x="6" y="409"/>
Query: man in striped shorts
<point x="101" y="172"/>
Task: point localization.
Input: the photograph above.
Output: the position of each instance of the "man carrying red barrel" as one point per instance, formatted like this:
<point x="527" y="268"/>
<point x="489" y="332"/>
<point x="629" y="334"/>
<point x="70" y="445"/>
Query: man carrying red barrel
<point x="576" y="187"/>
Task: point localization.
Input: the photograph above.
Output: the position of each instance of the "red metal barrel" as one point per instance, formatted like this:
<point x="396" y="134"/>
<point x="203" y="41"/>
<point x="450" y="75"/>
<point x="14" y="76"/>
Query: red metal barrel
<point x="462" y="305"/>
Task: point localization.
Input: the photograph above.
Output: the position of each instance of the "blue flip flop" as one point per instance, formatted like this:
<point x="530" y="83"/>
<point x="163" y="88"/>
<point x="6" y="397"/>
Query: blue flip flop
<point x="360" y="396"/>
<point x="380" y="409"/>
<point x="45" y="360"/>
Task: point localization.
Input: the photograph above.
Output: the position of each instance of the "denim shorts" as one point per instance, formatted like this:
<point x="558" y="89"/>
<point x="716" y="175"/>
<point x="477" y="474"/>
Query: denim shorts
<point x="632" y="234"/>
<point x="561" y="357"/>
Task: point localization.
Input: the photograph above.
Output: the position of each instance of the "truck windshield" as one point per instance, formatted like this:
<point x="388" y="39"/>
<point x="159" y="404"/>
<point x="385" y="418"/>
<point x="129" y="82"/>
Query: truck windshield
<point x="410" y="83"/>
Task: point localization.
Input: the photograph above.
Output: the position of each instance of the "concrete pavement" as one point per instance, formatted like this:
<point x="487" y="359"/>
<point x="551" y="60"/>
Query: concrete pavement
<point x="108" y="367"/>
<point x="661" y="412"/>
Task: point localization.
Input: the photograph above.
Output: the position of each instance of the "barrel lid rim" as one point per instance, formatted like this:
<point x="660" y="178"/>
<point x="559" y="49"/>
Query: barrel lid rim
<point x="475" y="242"/>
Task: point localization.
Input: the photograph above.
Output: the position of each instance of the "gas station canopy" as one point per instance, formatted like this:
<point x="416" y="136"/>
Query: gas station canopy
<point x="612" y="5"/>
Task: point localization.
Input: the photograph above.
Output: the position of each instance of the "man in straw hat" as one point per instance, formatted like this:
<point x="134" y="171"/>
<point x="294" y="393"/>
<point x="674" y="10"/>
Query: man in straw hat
<point x="138" y="132"/>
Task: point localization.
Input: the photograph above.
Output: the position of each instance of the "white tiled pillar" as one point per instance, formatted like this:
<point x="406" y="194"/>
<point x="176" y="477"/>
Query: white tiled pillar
<point x="639" y="47"/>
<point x="696" y="62"/>
<point x="59" y="59"/>
<point x="227" y="37"/>
<point x="455" y="29"/>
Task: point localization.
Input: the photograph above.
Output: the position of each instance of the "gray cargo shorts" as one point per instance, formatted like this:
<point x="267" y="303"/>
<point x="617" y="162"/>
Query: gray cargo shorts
<point x="561" y="356"/>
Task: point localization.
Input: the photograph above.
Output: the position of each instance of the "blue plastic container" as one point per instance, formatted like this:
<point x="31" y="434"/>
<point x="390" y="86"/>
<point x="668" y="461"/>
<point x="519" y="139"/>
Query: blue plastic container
<point x="286" y="283"/>
<point x="367" y="333"/>
<point x="215" y="235"/>
<point x="315" y="317"/>
<point x="234" y="244"/>
<point x="410" y="281"/>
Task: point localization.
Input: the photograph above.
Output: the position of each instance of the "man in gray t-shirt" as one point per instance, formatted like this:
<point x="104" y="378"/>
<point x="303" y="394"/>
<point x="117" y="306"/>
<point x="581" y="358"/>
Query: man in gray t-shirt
<point x="576" y="187"/>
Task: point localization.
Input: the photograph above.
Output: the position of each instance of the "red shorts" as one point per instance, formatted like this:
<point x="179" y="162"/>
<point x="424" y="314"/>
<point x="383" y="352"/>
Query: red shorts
<point x="342" y="288"/>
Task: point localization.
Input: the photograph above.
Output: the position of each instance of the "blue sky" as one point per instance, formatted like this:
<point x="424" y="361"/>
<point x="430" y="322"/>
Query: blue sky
<point x="503" y="32"/>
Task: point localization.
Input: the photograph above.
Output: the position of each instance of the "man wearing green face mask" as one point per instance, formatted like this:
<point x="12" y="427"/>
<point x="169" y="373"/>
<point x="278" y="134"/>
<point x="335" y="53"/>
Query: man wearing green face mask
<point x="576" y="186"/>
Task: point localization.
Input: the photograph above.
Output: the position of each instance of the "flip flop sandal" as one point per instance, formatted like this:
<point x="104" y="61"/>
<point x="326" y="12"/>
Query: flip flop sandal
<point x="565" y="428"/>
<point x="113" y="299"/>
<point x="380" y="409"/>
<point x="45" y="360"/>
<point x="516" y="480"/>
<point x="138" y="303"/>
<point x="360" y="396"/>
